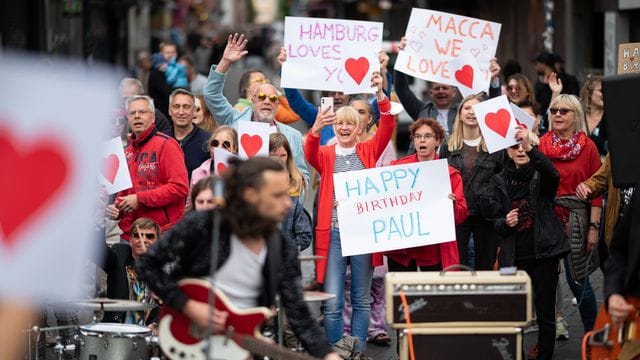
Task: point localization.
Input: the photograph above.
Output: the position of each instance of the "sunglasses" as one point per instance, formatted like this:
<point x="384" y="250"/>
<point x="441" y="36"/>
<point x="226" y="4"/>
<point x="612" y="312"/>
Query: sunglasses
<point x="225" y="144"/>
<point x="149" y="236"/>
<point x="553" y="111"/>
<point x="515" y="147"/>
<point x="513" y="87"/>
<point x="262" y="96"/>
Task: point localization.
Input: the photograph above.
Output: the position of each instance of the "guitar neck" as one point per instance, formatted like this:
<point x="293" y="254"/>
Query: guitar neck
<point x="263" y="348"/>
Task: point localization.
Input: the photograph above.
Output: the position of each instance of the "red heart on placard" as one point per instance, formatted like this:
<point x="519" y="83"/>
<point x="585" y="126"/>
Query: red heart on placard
<point x="251" y="144"/>
<point x="465" y="76"/>
<point x="221" y="168"/>
<point x="35" y="174"/>
<point x="111" y="166"/>
<point x="498" y="122"/>
<point x="357" y="69"/>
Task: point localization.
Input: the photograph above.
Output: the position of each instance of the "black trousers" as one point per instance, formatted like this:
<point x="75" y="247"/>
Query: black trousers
<point x="484" y="242"/>
<point x="544" y="279"/>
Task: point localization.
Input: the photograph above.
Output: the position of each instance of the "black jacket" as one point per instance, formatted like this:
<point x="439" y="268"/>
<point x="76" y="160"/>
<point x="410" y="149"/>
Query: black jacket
<point x="185" y="251"/>
<point x="116" y="259"/>
<point x="622" y="268"/>
<point x="486" y="166"/>
<point x="550" y="239"/>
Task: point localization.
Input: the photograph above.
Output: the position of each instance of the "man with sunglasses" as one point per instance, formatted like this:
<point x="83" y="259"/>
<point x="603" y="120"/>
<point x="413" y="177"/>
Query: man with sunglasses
<point x="122" y="279"/>
<point x="249" y="80"/>
<point x="264" y="101"/>
<point x="192" y="138"/>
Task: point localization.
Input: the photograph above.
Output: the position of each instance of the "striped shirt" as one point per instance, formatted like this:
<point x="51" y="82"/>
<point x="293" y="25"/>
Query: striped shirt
<point x="346" y="160"/>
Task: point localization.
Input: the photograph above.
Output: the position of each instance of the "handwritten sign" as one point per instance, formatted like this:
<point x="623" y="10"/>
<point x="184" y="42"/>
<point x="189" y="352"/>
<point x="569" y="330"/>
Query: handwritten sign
<point x="253" y="137"/>
<point x="330" y="54"/>
<point x="629" y="58"/>
<point x="50" y="155"/>
<point x="115" y="172"/>
<point x="497" y="123"/>
<point x="394" y="207"/>
<point x="434" y="38"/>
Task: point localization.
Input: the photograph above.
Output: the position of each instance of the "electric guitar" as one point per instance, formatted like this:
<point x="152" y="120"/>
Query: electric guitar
<point x="180" y="338"/>
<point x="606" y="342"/>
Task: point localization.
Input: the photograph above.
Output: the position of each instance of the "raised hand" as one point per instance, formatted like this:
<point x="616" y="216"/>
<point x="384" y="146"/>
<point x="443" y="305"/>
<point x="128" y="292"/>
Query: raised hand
<point x="555" y="83"/>
<point x="522" y="135"/>
<point x="325" y="117"/>
<point x="494" y="68"/>
<point x="378" y="82"/>
<point x="282" y="57"/>
<point x="234" y="51"/>
<point x="403" y="43"/>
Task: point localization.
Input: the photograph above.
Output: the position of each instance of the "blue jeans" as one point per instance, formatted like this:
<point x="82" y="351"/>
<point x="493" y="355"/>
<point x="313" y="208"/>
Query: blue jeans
<point x="588" y="306"/>
<point x="361" y="273"/>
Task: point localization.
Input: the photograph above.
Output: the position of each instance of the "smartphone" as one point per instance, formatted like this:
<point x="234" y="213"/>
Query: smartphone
<point x="326" y="103"/>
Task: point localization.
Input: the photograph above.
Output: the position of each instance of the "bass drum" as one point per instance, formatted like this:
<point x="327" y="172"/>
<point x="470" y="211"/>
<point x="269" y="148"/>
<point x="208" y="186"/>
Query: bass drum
<point x="114" y="341"/>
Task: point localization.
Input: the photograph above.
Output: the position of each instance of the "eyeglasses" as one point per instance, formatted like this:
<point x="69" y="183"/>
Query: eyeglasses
<point x="563" y="112"/>
<point x="423" y="136"/>
<point x="262" y="96"/>
<point x="141" y="112"/>
<point x="149" y="236"/>
<point x="225" y="144"/>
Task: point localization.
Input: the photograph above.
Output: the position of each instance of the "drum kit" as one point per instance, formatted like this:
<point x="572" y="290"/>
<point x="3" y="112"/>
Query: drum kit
<point x="97" y="340"/>
<point x="117" y="341"/>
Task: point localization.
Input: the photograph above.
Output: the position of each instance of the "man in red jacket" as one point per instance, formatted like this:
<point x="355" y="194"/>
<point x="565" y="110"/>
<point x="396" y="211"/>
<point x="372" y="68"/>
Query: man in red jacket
<point x="158" y="174"/>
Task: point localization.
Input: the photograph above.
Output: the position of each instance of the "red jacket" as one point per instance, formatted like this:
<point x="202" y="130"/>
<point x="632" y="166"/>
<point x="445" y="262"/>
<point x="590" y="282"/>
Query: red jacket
<point x="445" y="253"/>
<point x="159" y="178"/>
<point x="322" y="158"/>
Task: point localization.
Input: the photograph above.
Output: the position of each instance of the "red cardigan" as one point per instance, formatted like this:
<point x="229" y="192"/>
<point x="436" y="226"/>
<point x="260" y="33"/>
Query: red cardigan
<point x="322" y="158"/>
<point x="445" y="253"/>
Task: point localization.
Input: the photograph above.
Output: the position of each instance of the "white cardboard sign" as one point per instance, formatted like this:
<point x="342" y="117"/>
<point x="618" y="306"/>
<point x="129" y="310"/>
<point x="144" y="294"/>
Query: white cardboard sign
<point x="331" y="54"/>
<point x="497" y="123"/>
<point x="221" y="160"/>
<point x="253" y="139"/>
<point x="435" y="38"/>
<point x="50" y="155"/>
<point x="394" y="207"/>
<point x="115" y="172"/>
<point x="522" y="118"/>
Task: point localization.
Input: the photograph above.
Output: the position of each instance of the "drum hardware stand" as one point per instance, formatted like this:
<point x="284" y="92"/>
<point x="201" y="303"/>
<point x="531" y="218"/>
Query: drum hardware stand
<point x="59" y="348"/>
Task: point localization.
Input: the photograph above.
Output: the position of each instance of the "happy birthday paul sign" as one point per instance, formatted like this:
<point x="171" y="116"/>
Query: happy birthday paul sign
<point x="332" y="55"/>
<point x="394" y="207"/>
<point x="434" y="39"/>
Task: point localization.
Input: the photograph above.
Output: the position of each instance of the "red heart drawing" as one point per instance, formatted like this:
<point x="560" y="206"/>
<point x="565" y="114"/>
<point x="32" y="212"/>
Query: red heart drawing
<point x="498" y="122"/>
<point x="36" y="173"/>
<point x="357" y="69"/>
<point x="111" y="166"/>
<point x="465" y="76"/>
<point x="251" y="144"/>
<point x="221" y="168"/>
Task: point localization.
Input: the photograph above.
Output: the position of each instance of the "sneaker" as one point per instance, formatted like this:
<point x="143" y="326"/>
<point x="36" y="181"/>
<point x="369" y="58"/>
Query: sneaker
<point x="562" y="333"/>
<point x="574" y="302"/>
<point x="534" y="352"/>
<point x="533" y="327"/>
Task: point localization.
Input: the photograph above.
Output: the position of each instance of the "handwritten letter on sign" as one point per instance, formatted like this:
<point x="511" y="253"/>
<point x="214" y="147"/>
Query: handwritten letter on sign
<point x="435" y="38"/>
<point x="394" y="207"/>
<point x="333" y="55"/>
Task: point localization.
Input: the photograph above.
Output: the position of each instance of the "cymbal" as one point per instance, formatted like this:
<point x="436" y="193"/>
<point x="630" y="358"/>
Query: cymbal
<point x="312" y="296"/>
<point x="107" y="304"/>
<point x="309" y="257"/>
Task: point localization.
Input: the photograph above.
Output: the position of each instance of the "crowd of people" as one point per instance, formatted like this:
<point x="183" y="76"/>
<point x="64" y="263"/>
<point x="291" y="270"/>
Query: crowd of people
<point x="537" y="205"/>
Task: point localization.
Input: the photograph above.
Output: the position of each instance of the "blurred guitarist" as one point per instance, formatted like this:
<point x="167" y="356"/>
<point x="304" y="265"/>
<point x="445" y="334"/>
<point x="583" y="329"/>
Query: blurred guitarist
<point x="254" y="262"/>
<point x="622" y="269"/>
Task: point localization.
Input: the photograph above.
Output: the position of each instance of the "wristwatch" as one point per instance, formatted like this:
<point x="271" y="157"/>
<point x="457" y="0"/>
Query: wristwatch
<point x="595" y="225"/>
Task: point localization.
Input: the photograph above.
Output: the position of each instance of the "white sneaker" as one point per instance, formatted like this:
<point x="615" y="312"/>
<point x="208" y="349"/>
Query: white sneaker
<point x="562" y="333"/>
<point x="574" y="302"/>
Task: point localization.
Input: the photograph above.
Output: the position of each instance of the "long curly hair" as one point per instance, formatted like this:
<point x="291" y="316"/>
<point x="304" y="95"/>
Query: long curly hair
<point x="243" y="218"/>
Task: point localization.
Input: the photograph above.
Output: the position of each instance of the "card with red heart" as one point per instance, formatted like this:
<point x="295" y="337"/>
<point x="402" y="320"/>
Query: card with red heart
<point x="51" y="156"/>
<point x="497" y="123"/>
<point x="253" y="138"/>
<point x="115" y="173"/>
<point x="522" y="118"/>
<point x="331" y="54"/>
<point x="221" y="159"/>
<point x="467" y="76"/>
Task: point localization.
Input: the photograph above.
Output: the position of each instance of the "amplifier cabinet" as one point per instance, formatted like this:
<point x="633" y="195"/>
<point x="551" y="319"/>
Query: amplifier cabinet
<point x="460" y="298"/>
<point x="486" y="343"/>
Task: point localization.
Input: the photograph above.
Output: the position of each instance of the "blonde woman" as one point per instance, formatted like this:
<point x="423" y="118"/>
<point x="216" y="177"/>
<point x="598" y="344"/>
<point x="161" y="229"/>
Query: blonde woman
<point x="467" y="152"/>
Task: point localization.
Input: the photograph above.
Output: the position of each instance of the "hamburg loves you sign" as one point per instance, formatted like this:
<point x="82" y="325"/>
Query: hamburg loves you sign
<point x="394" y="207"/>
<point x="435" y="38"/>
<point x="328" y="54"/>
